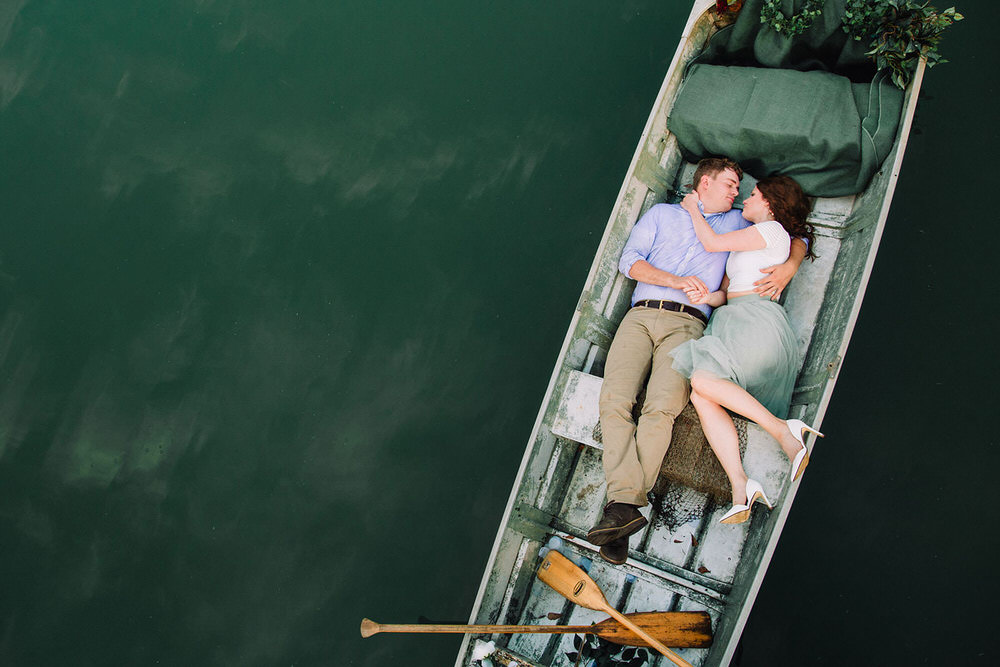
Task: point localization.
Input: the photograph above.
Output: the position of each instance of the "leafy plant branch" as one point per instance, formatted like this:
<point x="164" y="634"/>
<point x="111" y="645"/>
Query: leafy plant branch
<point x="901" y="31"/>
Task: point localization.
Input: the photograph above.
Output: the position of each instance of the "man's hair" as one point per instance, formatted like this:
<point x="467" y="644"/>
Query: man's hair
<point x="711" y="166"/>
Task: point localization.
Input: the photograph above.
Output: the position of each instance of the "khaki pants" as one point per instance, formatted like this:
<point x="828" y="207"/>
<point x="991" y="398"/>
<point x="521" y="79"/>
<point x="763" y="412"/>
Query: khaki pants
<point x="633" y="454"/>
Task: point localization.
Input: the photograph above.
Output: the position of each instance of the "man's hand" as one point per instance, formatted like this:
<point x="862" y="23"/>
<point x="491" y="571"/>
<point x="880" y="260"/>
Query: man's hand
<point x="776" y="280"/>
<point x="692" y="286"/>
<point x="778" y="276"/>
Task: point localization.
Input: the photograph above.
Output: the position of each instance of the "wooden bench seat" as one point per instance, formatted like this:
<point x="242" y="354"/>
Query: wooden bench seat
<point x="689" y="460"/>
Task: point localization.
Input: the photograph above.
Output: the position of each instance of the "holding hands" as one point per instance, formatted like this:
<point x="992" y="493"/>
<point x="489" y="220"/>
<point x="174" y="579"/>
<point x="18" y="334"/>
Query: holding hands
<point x="714" y="299"/>
<point x="693" y="287"/>
<point x="698" y="298"/>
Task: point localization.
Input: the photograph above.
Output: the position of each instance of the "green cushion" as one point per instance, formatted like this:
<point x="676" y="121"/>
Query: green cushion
<point x="829" y="134"/>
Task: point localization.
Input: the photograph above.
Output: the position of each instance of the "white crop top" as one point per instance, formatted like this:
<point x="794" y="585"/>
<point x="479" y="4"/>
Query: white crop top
<point x="743" y="266"/>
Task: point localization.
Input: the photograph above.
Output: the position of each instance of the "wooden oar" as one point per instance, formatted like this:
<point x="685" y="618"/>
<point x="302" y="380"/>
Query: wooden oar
<point x="573" y="584"/>
<point x="680" y="629"/>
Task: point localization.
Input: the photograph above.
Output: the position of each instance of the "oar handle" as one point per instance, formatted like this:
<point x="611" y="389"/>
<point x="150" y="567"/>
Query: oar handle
<point x="673" y="657"/>
<point x="672" y="628"/>
<point x="370" y="627"/>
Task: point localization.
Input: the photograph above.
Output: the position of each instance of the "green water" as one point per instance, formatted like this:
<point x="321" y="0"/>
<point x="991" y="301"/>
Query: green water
<point x="281" y="287"/>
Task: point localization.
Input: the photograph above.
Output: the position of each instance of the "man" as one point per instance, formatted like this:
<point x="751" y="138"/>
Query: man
<point x="670" y="266"/>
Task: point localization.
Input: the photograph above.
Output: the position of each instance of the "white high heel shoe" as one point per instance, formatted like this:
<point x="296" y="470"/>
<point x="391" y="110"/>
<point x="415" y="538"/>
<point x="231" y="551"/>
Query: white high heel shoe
<point x="740" y="513"/>
<point x="798" y="429"/>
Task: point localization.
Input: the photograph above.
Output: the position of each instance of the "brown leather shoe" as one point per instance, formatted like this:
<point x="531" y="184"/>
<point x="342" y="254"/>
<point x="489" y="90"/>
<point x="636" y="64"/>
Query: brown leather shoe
<point x="619" y="520"/>
<point x="616" y="551"/>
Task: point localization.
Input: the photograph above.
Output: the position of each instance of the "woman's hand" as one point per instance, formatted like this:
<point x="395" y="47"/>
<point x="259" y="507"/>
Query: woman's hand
<point x="690" y="203"/>
<point x="697" y="298"/>
<point x="692" y="286"/>
<point x="714" y="299"/>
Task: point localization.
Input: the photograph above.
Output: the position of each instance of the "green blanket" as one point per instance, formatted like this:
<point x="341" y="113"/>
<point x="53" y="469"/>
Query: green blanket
<point x="829" y="127"/>
<point x="825" y="132"/>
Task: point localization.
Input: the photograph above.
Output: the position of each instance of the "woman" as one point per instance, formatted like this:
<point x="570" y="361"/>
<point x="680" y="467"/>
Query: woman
<point x="748" y="358"/>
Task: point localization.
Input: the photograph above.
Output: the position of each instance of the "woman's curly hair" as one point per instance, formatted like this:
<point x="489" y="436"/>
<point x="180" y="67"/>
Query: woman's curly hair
<point x="791" y="208"/>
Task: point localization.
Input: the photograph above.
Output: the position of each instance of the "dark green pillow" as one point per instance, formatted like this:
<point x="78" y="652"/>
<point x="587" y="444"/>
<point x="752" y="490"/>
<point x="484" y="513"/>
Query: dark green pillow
<point x="829" y="134"/>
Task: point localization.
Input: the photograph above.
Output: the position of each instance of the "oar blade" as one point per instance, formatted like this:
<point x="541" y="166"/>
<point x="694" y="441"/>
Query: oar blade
<point x="571" y="582"/>
<point x="676" y="629"/>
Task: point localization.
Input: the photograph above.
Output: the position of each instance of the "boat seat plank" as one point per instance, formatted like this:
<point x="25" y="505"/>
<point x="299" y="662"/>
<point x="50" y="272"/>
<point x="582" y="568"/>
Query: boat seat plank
<point x="577" y="418"/>
<point x="832" y="211"/>
<point x="669" y="577"/>
<point x="654" y="176"/>
<point x="645" y="596"/>
<point x="689" y="460"/>
<point x="598" y="329"/>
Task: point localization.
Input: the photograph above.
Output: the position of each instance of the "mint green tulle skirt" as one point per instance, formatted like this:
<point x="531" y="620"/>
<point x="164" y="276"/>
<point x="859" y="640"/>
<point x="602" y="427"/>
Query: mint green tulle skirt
<point x="750" y="342"/>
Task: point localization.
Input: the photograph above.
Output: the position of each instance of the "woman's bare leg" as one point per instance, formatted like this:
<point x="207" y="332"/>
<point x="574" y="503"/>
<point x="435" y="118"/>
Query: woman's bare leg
<point x="721" y="434"/>
<point x="734" y="397"/>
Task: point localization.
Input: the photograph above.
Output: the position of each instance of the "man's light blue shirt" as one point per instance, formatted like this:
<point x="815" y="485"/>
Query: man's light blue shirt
<point x="665" y="238"/>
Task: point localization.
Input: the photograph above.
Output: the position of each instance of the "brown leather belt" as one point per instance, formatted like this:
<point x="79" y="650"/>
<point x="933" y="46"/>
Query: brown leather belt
<point x="674" y="306"/>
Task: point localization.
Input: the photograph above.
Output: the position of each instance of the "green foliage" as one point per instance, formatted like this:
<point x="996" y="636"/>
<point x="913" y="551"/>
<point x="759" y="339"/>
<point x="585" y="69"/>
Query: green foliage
<point x="861" y="17"/>
<point x="900" y="31"/>
<point x="592" y="650"/>
<point x="772" y="16"/>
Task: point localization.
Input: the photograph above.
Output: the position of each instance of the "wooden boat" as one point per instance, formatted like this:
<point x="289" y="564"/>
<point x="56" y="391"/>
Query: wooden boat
<point x="684" y="560"/>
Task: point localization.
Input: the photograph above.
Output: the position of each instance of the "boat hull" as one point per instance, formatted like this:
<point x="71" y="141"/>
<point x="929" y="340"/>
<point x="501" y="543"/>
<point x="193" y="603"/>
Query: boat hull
<point x="684" y="561"/>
